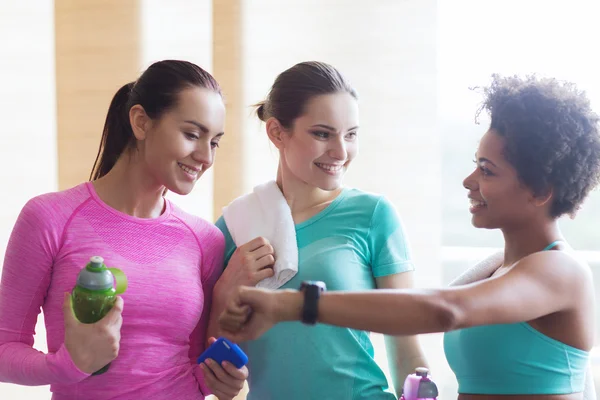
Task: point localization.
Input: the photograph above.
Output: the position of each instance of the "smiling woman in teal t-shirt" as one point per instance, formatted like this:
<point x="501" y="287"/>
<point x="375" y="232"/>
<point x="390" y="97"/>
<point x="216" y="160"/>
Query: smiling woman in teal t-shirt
<point x="347" y="238"/>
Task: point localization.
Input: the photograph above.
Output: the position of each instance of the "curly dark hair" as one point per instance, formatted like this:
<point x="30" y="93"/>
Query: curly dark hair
<point x="551" y="136"/>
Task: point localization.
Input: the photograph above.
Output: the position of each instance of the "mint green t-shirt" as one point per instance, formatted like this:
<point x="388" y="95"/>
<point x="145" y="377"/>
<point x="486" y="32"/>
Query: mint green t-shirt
<point x="357" y="238"/>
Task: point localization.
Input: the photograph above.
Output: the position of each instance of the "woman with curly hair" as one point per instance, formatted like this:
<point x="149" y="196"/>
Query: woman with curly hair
<point x="527" y="329"/>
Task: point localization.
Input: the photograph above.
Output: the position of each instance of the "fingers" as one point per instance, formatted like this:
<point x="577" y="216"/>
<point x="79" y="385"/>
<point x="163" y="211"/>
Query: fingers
<point x="232" y="323"/>
<point x="239" y="328"/>
<point x="260" y="258"/>
<point x="238" y="310"/>
<point x="254" y="328"/>
<point x="255" y="244"/>
<point x="263" y="251"/>
<point x="114" y="317"/>
<point x="220" y="381"/>
<point x="248" y="260"/>
<point x="221" y="396"/>
<point x="223" y="376"/>
<point x="69" y="316"/>
<point x="265" y="262"/>
<point x="234" y="317"/>
<point x="239" y="374"/>
<point x="213" y="383"/>
<point x="264" y="274"/>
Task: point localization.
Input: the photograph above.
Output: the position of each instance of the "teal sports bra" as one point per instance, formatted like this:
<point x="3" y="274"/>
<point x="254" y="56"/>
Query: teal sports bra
<point x="511" y="359"/>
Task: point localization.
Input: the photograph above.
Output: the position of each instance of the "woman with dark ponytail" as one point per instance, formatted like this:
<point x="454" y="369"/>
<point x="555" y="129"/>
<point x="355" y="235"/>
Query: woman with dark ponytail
<point x="161" y="133"/>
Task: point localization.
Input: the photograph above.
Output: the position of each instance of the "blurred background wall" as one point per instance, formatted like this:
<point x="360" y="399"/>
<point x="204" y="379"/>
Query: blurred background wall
<point x="412" y="62"/>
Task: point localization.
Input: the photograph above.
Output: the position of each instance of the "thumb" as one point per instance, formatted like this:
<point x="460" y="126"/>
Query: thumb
<point x="249" y="297"/>
<point x="211" y="340"/>
<point x="69" y="316"/>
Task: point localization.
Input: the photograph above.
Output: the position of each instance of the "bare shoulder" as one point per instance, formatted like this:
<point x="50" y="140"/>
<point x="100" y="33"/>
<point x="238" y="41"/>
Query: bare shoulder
<point x="557" y="267"/>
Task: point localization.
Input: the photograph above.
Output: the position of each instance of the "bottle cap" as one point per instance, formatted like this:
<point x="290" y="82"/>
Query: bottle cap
<point x="95" y="276"/>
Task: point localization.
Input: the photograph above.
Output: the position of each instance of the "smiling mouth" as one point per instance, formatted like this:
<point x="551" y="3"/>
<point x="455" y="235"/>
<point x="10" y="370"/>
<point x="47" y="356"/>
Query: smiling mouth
<point x="189" y="170"/>
<point x="330" y="168"/>
<point x="476" y="205"/>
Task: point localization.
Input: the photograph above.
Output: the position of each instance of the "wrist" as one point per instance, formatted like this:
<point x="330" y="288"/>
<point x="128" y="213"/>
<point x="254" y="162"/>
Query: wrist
<point x="311" y="292"/>
<point x="289" y="305"/>
<point x="80" y="361"/>
<point x="64" y="367"/>
<point x="220" y="292"/>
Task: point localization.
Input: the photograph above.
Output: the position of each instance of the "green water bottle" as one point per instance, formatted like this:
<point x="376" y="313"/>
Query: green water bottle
<point x="96" y="292"/>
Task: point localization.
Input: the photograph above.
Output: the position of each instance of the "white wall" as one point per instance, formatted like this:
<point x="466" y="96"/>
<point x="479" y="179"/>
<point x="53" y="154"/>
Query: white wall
<point x="28" y="165"/>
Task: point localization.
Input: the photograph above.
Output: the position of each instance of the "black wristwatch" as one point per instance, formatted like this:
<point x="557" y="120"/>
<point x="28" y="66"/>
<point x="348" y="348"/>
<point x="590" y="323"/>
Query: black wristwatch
<point x="312" y="291"/>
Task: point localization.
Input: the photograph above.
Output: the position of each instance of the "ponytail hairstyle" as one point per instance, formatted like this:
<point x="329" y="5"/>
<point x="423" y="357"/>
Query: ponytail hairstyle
<point x="156" y="90"/>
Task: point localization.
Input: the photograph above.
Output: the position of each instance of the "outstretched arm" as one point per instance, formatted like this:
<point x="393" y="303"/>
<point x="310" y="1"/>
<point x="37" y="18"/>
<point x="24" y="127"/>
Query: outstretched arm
<point x="540" y="284"/>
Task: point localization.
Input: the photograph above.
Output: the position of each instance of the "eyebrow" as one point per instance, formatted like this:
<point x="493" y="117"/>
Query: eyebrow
<point x="332" y="128"/>
<point x="483" y="159"/>
<point x="202" y="127"/>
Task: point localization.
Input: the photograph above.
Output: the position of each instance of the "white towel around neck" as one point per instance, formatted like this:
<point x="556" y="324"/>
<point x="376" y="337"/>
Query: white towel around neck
<point x="265" y="212"/>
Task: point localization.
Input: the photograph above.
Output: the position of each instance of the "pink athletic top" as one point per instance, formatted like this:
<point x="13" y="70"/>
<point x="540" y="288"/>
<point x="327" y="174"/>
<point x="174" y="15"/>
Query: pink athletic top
<point x="171" y="263"/>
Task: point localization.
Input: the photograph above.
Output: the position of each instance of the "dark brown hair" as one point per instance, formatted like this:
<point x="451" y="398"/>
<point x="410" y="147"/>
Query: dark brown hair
<point x="295" y="86"/>
<point x="156" y="90"/>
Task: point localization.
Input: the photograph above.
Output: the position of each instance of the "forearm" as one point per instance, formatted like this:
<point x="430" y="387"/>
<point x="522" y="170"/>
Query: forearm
<point x="23" y="365"/>
<point x="218" y="305"/>
<point x="213" y="329"/>
<point x="404" y="355"/>
<point x="207" y="328"/>
<point x="391" y="312"/>
<point x="197" y="345"/>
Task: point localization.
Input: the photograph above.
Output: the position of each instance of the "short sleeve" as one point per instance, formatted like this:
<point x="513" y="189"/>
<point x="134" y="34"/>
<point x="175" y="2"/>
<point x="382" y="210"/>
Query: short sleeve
<point x="229" y="243"/>
<point x="388" y="244"/>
